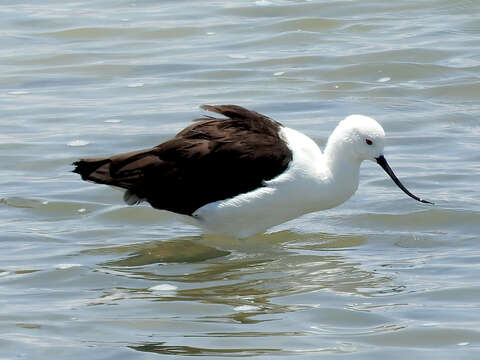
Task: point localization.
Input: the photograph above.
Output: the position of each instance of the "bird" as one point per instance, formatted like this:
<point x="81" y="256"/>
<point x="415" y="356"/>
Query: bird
<point x="242" y="173"/>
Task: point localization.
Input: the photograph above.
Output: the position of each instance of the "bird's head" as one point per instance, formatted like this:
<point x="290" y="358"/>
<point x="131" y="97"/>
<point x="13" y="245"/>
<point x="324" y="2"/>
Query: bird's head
<point x="363" y="138"/>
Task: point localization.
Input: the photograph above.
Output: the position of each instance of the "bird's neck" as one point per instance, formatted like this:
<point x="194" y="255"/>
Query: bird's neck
<point x="343" y="167"/>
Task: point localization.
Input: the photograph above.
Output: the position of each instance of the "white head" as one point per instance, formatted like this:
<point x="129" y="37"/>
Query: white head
<point x="361" y="138"/>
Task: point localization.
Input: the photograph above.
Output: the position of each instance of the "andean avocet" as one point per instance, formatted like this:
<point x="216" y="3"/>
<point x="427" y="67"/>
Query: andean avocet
<point x="242" y="174"/>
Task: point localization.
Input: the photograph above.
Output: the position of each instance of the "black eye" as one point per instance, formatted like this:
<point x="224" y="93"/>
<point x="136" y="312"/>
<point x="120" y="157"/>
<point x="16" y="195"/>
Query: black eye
<point x="368" y="141"/>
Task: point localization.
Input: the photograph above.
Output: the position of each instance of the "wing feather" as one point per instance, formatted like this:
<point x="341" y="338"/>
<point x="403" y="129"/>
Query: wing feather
<point x="210" y="160"/>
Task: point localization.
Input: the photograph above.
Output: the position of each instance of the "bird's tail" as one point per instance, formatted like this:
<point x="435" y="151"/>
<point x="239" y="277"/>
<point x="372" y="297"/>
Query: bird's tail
<point x="124" y="171"/>
<point x="96" y="170"/>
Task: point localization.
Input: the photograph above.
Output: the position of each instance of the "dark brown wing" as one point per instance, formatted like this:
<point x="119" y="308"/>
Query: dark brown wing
<point x="210" y="160"/>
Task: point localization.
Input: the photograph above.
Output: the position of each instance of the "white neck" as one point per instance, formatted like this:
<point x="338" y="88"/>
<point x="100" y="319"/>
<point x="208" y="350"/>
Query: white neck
<point x="344" y="169"/>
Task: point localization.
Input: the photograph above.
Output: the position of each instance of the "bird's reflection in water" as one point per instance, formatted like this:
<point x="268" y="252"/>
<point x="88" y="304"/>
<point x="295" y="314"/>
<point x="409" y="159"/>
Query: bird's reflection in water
<point x="282" y="263"/>
<point x="192" y="249"/>
<point x="255" y="281"/>
<point x="173" y="251"/>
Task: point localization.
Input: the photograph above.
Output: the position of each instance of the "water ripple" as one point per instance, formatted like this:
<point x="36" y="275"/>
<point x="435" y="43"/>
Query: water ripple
<point x="377" y="274"/>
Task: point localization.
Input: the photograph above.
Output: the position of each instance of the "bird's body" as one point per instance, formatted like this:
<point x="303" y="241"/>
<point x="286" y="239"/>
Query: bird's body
<point x="240" y="175"/>
<point x="300" y="189"/>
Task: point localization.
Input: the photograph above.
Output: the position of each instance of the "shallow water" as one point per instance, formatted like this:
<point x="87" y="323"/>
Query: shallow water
<point x="380" y="276"/>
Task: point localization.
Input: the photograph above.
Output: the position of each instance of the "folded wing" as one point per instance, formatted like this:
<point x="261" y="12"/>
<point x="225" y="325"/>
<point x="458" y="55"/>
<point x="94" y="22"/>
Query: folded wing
<point x="212" y="159"/>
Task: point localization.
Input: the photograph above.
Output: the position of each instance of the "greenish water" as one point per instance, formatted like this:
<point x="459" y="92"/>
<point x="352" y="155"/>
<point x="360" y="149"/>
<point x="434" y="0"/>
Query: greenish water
<point x="382" y="276"/>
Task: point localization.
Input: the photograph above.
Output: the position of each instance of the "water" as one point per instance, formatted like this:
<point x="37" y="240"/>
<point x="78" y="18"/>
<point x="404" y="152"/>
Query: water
<point x="382" y="276"/>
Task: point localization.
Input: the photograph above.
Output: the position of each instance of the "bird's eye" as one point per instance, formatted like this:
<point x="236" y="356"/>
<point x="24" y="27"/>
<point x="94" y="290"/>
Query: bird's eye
<point x="368" y="141"/>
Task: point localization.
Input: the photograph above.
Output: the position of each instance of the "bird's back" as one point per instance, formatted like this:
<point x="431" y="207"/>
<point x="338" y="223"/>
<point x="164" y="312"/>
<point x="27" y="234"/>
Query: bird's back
<point x="211" y="160"/>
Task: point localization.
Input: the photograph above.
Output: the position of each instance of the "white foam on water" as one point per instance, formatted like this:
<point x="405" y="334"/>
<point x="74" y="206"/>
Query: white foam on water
<point x="66" y="266"/>
<point x="78" y="143"/>
<point x="384" y="79"/>
<point x="134" y="85"/>
<point x="263" y="3"/>
<point x="163" y="288"/>
<point x="19" y="92"/>
<point x="237" y="56"/>
<point x="246" y="308"/>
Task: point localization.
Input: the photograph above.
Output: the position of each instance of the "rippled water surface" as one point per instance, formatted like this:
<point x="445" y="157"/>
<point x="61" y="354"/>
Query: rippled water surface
<point x="380" y="277"/>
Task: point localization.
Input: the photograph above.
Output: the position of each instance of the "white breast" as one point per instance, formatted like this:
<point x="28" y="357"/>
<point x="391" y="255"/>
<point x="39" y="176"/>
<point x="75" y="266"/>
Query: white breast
<point x="301" y="189"/>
